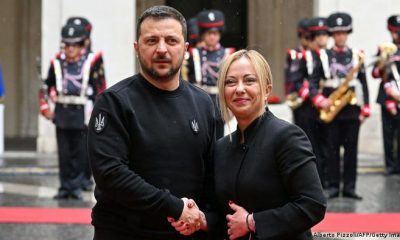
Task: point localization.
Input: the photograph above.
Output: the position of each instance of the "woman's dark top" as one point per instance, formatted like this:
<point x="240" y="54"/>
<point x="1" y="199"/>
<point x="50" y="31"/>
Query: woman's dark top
<point x="272" y="174"/>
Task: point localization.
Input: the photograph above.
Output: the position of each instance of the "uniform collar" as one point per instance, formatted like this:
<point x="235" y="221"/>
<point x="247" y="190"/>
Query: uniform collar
<point x="340" y="50"/>
<point x="216" y="48"/>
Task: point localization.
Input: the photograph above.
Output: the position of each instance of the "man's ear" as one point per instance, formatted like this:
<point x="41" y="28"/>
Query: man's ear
<point x="186" y="46"/>
<point x="135" y="46"/>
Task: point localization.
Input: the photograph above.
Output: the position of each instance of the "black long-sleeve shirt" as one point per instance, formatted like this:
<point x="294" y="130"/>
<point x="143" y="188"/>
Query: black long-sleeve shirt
<point x="148" y="148"/>
<point x="272" y="174"/>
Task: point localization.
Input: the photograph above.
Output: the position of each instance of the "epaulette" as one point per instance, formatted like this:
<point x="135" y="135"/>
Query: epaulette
<point x="96" y="57"/>
<point x="230" y="50"/>
<point x="292" y="53"/>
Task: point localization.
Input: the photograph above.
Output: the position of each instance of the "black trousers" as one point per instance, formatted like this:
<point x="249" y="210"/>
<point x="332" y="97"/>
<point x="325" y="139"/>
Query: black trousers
<point x="391" y="140"/>
<point x="71" y="159"/>
<point x="342" y="133"/>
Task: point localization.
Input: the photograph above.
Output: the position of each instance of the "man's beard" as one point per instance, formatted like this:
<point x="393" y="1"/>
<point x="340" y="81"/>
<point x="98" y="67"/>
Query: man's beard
<point x="151" y="72"/>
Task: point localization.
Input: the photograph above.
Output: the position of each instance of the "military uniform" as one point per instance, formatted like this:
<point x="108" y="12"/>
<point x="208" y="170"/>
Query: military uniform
<point x="318" y="26"/>
<point x="334" y="67"/>
<point x="388" y="89"/>
<point x="205" y="62"/>
<point x="98" y="75"/>
<point x="70" y="85"/>
<point x="299" y="64"/>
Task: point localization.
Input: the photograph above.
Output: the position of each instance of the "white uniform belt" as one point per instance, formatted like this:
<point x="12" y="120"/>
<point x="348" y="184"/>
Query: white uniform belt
<point x="76" y="100"/>
<point x="209" y="89"/>
<point x="335" y="82"/>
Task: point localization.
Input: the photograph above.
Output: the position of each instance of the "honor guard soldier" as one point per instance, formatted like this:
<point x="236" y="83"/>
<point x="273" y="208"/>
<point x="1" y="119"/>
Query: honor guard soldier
<point x="99" y="79"/>
<point x="319" y="35"/>
<point x="299" y="65"/>
<point x="70" y="85"/>
<point x="205" y="61"/>
<point x="343" y="102"/>
<point x="387" y="68"/>
<point x="194" y="42"/>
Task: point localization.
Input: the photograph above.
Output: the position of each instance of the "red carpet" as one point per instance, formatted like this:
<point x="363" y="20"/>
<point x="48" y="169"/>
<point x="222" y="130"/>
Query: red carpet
<point x="45" y="215"/>
<point x="360" y="222"/>
<point x="333" y="222"/>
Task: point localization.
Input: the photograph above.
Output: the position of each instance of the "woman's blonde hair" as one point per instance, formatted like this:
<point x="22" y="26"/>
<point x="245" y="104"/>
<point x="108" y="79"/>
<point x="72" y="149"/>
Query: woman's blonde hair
<point x="263" y="72"/>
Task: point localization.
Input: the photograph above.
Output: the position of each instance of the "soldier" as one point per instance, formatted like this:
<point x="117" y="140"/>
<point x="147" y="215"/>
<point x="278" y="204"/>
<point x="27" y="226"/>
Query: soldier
<point x="319" y="35"/>
<point x="99" y="80"/>
<point x="299" y="65"/>
<point x="70" y="85"/>
<point x="296" y="72"/>
<point x="387" y="68"/>
<point x="194" y="42"/>
<point x="206" y="60"/>
<point x="343" y="104"/>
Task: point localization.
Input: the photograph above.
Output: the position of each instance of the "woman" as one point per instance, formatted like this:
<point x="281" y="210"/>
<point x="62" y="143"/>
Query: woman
<point x="266" y="178"/>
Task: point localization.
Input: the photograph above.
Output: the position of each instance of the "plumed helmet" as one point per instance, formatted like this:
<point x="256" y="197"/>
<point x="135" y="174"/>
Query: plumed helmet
<point x="393" y="23"/>
<point x="302" y="28"/>
<point x="193" y="31"/>
<point x="83" y="22"/>
<point x="211" y="20"/>
<point x="318" y="26"/>
<point x="71" y="33"/>
<point x="340" y="22"/>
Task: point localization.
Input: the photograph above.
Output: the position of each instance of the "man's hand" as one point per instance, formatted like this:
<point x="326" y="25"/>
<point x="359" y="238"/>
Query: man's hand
<point x="49" y="115"/>
<point x="191" y="219"/>
<point x="237" y="226"/>
<point x="326" y="104"/>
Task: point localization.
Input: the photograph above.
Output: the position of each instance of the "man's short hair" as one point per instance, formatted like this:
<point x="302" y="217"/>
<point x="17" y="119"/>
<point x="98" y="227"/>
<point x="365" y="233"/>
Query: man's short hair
<point x="159" y="13"/>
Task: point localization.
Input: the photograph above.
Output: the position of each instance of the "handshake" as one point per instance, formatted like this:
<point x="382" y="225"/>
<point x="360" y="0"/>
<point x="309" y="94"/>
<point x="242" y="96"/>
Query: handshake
<point x="191" y="220"/>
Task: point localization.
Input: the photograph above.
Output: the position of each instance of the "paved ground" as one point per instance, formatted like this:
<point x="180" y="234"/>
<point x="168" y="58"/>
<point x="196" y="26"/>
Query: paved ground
<point x="30" y="179"/>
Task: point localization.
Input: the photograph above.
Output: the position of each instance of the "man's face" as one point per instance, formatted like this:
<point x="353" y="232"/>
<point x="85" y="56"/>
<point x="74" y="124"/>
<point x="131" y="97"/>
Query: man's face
<point x="340" y="38"/>
<point x="72" y="50"/>
<point x="322" y="40"/>
<point x="160" y="48"/>
<point x="211" y="37"/>
<point x="395" y="37"/>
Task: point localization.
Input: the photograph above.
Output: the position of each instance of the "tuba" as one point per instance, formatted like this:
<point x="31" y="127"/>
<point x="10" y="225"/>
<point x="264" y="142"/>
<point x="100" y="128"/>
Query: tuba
<point x="342" y="95"/>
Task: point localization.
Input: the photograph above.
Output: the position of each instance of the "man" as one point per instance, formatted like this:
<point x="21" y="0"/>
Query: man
<point x="99" y="80"/>
<point x="151" y="139"/>
<point x="296" y="77"/>
<point x="319" y="35"/>
<point x="387" y="68"/>
<point x="205" y="61"/>
<point x="341" y="129"/>
<point x="194" y="42"/>
<point x="70" y="85"/>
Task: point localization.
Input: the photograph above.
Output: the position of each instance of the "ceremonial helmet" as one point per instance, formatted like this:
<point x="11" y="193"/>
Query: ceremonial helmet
<point x="393" y="24"/>
<point x="71" y="33"/>
<point x="339" y="22"/>
<point x="318" y="26"/>
<point x="211" y="20"/>
<point x="82" y="22"/>
<point x="302" y="28"/>
<point x="193" y="31"/>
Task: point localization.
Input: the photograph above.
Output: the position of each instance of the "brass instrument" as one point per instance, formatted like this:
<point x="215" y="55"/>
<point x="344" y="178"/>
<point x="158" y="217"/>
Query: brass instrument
<point x="386" y="51"/>
<point x="342" y="95"/>
<point x="293" y="100"/>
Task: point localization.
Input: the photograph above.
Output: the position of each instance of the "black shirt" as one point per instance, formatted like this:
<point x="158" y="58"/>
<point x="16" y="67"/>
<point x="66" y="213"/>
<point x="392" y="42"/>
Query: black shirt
<point x="148" y="148"/>
<point x="273" y="175"/>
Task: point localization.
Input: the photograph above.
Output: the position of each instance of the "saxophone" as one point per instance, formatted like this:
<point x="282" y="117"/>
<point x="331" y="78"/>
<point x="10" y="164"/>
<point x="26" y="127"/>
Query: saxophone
<point x="342" y="95"/>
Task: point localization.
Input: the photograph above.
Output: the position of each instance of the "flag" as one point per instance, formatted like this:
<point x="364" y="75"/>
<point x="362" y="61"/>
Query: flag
<point x="2" y="90"/>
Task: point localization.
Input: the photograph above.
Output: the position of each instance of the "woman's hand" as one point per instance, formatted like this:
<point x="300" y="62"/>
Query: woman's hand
<point x="237" y="226"/>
